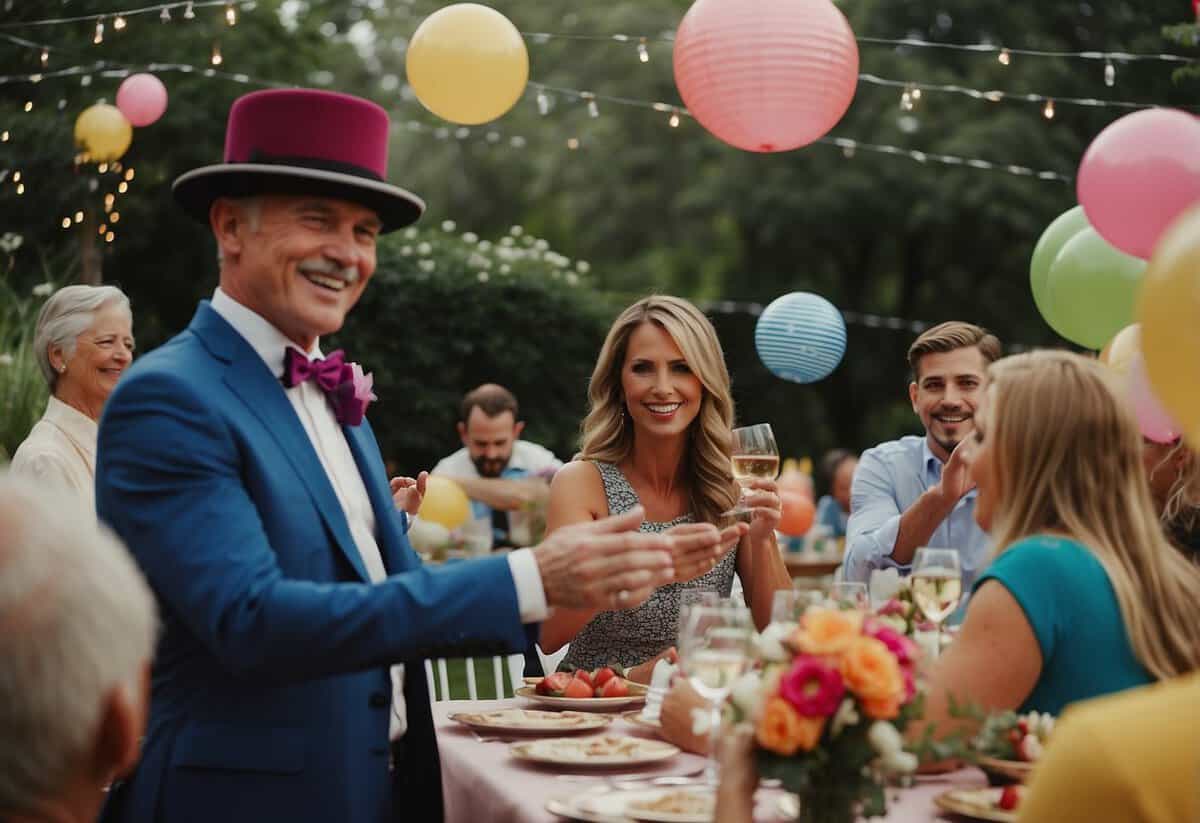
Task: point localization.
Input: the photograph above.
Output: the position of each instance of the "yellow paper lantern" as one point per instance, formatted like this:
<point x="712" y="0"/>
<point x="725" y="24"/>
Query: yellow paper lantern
<point x="467" y="64"/>
<point x="103" y="133"/>
<point x="1122" y="350"/>
<point x="445" y="503"/>
<point x="1169" y="311"/>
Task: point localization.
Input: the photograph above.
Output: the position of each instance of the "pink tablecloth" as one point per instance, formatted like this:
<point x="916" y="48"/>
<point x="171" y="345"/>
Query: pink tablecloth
<point x="481" y="782"/>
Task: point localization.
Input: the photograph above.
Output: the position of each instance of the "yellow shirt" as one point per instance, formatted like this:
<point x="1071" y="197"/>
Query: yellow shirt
<point x="1132" y="757"/>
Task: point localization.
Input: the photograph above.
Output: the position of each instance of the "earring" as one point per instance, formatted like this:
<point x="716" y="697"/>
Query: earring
<point x="62" y="369"/>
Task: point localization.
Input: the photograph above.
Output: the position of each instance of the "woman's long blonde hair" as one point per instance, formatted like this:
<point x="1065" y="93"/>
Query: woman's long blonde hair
<point x="1181" y="509"/>
<point x="1067" y="457"/>
<point x="607" y="431"/>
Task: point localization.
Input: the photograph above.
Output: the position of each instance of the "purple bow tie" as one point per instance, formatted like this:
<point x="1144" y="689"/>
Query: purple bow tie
<point x="346" y="387"/>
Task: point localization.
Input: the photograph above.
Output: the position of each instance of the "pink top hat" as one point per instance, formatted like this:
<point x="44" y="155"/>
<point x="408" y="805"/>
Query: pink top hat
<point x="303" y="141"/>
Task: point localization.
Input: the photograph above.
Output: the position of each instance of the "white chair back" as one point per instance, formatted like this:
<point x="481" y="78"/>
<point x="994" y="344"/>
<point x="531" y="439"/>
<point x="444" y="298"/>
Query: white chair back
<point x="507" y="675"/>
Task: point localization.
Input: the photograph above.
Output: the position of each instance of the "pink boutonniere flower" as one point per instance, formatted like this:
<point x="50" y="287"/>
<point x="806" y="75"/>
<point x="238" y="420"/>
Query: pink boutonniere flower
<point x="353" y="395"/>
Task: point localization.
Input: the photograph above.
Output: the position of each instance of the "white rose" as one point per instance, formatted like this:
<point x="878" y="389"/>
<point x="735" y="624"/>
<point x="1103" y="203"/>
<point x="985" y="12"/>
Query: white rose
<point x="43" y="289"/>
<point x="448" y="225"/>
<point x="746" y="694"/>
<point x="770" y="642"/>
<point x="899" y="762"/>
<point x="884" y="738"/>
<point x="846" y="716"/>
<point x="470" y="237"/>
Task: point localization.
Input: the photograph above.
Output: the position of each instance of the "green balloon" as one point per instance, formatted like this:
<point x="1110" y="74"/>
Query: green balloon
<point x="1065" y="226"/>
<point x="1091" y="290"/>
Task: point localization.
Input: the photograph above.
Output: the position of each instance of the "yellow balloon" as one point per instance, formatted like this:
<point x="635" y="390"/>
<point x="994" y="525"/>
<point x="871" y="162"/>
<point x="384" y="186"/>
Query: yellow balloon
<point x="445" y="502"/>
<point x="1169" y="311"/>
<point x="467" y="64"/>
<point x="1121" y="351"/>
<point x="103" y="133"/>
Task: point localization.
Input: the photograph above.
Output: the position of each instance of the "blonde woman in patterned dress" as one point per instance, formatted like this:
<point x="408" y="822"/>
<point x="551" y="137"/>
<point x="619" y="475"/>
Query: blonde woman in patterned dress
<point x="658" y="435"/>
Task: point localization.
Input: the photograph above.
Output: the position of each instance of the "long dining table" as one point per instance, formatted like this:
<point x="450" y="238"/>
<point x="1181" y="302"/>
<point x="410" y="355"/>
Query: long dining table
<point x="482" y="781"/>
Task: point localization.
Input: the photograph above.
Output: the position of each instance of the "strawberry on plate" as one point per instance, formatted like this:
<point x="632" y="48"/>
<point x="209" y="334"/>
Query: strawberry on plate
<point x="614" y="687"/>
<point x="1010" y="797"/>
<point x="578" y="687"/>
<point x="586" y="677"/>
<point x="602" y="676"/>
<point x="553" y="685"/>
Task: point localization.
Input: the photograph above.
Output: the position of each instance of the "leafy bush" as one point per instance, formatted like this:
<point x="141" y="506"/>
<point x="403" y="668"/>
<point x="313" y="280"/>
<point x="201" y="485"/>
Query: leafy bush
<point x="447" y="312"/>
<point x="22" y="388"/>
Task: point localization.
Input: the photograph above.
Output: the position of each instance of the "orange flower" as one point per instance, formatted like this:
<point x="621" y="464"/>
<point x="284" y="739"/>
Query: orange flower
<point x="886" y="708"/>
<point x="828" y="631"/>
<point x="871" y="671"/>
<point x="785" y="731"/>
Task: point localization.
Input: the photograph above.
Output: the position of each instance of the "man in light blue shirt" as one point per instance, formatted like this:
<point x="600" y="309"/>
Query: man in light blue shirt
<point x="917" y="491"/>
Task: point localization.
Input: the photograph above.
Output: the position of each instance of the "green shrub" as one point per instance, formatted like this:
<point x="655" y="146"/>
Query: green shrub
<point x="22" y="388"/>
<point x="448" y="311"/>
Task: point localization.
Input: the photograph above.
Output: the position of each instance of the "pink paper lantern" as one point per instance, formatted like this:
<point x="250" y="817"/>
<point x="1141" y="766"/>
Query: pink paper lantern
<point x="1156" y="422"/>
<point x="1138" y="175"/>
<point x="142" y="98"/>
<point x="766" y="75"/>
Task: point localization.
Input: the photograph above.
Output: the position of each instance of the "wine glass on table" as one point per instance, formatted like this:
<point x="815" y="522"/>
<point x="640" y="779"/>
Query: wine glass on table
<point x="714" y="651"/>
<point x="850" y="595"/>
<point x="755" y="457"/>
<point x="936" y="586"/>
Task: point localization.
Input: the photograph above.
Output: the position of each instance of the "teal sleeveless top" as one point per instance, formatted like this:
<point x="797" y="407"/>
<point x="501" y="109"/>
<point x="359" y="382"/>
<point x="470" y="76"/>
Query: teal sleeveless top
<point x="1070" y="604"/>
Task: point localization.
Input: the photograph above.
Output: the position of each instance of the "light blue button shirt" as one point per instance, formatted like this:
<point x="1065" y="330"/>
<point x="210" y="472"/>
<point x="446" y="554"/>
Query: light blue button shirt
<point x="888" y="480"/>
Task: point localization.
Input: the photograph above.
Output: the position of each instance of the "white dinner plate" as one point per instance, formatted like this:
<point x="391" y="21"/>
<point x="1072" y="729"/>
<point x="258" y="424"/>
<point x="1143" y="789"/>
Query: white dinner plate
<point x="526" y="721"/>
<point x="605" y="805"/>
<point x="603" y="751"/>
<point x="637" y="694"/>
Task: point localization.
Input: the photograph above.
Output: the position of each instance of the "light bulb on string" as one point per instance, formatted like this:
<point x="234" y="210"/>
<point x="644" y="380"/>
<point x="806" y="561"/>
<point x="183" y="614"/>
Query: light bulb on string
<point x="108" y="201"/>
<point x="673" y="122"/>
<point x="915" y="93"/>
<point x="1005" y="57"/>
<point x="906" y="100"/>
<point x="102" y="229"/>
<point x="121" y="189"/>
<point x="592" y="108"/>
<point x="572" y="143"/>
<point x="165" y="15"/>
<point x="115" y="217"/>
<point x="543" y="103"/>
<point x="1110" y="73"/>
<point x="66" y="222"/>
<point x="189" y="13"/>
<point x="28" y="106"/>
<point x="4" y="135"/>
<point x="78" y="217"/>
<point x="16" y="177"/>
<point x="1048" y="111"/>
<point x="643" y="52"/>
<point x="118" y="23"/>
<point x="45" y="57"/>
<point x="98" y="37"/>
<point x="108" y="238"/>
<point x="20" y="188"/>
<point x="129" y="173"/>
<point x="216" y="58"/>
<point x="230" y="14"/>
<point x="102" y="168"/>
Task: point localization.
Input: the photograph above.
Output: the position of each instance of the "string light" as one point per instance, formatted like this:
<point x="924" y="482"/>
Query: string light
<point x="129" y="173"/>
<point x="108" y="201"/>
<point x="28" y="106"/>
<point x="109" y="237"/>
<point x="45" y="57"/>
<point x="16" y="177"/>
<point x="4" y="135"/>
<point x="165" y="15"/>
<point x="230" y="15"/>
<point x="1048" y="111"/>
<point x="189" y="13"/>
<point x="121" y="189"/>
<point x="1110" y="74"/>
<point x="102" y="168"/>
<point x="543" y="103"/>
<point x="592" y="109"/>
<point x="102" y="229"/>
<point x="78" y="217"/>
<point x="673" y="120"/>
<point x="643" y="52"/>
<point x="216" y="58"/>
<point x="119" y="23"/>
<point x="66" y="222"/>
<point x="572" y="143"/>
<point x="1005" y="57"/>
<point x="906" y="100"/>
<point x="115" y="217"/>
<point x="20" y="188"/>
<point x="98" y="37"/>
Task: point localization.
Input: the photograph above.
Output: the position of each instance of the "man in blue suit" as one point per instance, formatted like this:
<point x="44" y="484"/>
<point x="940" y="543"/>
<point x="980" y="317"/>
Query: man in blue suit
<point x="288" y="681"/>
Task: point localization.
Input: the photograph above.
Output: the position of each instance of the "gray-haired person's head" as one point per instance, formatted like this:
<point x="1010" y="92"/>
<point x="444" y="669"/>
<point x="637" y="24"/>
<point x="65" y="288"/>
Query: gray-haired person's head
<point x="68" y="313"/>
<point x="77" y="629"/>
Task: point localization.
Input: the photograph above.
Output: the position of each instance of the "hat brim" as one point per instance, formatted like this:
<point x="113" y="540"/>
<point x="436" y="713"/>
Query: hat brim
<point x="196" y="190"/>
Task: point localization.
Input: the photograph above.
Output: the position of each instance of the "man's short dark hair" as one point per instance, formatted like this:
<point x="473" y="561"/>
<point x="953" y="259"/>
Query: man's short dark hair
<point x="952" y="335"/>
<point x="491" y="398"/>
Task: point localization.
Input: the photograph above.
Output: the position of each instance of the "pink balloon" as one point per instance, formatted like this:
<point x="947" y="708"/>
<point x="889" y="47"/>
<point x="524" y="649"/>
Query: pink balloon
<point x="766" y="75"/>
<point x="142" y="98"/>
<point x="1156" y="423"/>
<point x="1138" y="175"/>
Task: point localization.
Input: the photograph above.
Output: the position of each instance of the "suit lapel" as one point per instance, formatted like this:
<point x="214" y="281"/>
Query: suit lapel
<point x="392" y="543"/>
<point x="264" y="397"/>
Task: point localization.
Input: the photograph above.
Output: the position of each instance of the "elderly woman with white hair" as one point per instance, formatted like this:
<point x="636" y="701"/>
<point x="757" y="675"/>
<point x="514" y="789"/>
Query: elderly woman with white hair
<point x="83" y="343"/>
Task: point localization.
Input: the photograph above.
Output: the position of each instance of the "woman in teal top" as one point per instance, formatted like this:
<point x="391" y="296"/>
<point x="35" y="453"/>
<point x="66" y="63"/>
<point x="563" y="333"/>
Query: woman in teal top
<point x="1085" y="596"/>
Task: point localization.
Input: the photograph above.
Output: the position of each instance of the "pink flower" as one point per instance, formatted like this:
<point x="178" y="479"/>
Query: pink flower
<point x="893" y="606"/>
<point x="813" y="688"/>
<point x="904" y="649"/>
<point x="353" y="395"/>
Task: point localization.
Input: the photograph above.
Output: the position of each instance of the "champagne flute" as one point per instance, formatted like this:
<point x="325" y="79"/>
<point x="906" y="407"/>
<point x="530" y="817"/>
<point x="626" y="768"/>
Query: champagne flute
<point x="714" y="651"/>
<point x="787" y="607"/>
<point x="936" y="585"/>
<point x="850" y="595"/>
<point x="755" y="457"/>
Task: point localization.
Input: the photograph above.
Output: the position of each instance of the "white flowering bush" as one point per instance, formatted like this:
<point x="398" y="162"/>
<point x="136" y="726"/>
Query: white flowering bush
<point x="22" y="388"/>
<point x="449" y="310"/>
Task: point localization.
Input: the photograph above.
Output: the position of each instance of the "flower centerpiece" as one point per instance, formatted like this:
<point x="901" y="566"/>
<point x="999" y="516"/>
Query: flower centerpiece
<point x="829" y="707"/>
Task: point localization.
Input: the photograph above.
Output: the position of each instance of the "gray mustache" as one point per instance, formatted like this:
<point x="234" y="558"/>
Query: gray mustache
<point x="320" y="265"/>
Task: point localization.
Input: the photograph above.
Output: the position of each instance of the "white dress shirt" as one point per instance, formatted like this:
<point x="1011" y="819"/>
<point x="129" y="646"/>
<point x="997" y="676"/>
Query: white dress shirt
<point x="329" y="442"/>
<point x="60" y="453"/>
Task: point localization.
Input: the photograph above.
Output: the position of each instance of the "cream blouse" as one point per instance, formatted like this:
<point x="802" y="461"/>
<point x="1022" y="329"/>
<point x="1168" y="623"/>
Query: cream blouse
<point x="61" y="450"/>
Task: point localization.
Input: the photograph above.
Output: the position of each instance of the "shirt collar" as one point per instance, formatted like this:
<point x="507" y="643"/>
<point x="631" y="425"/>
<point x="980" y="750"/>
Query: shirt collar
<point x="77" y="425"/>
<point x="266" y="340"/>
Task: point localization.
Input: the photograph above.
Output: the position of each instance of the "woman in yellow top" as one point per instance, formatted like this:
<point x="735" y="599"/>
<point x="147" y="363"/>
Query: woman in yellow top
<point x="658" y="433"/>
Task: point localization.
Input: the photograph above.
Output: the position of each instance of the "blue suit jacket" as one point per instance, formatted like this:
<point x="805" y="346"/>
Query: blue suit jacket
<point x="271" y="695"/>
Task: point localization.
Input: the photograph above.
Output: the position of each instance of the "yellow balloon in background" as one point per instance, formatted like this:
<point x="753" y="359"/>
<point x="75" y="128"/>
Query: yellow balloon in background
<point x="1169" y="311"/>
<point x="467" y="64"/>
<point x="1123" y="349"/>
<point x="103" y="133"/>
<point x="445" y="503"/>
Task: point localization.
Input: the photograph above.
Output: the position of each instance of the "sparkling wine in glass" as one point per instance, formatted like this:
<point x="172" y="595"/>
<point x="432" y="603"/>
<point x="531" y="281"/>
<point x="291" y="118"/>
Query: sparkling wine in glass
<point x="755" y="457"/>
<point x="714" y="651"/>
<point x="936" y="585"/>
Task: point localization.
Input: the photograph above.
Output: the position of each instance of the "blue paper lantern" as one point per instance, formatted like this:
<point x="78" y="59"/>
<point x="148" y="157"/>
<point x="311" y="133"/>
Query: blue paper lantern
<point x="800" y="337"/>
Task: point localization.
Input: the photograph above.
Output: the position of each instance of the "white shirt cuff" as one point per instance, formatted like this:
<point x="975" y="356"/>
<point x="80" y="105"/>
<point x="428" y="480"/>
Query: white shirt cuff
<point x="531" y="597"/>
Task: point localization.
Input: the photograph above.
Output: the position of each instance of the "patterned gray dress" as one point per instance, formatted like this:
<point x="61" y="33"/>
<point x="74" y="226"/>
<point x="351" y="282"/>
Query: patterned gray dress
<point x="635" y="635"/>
